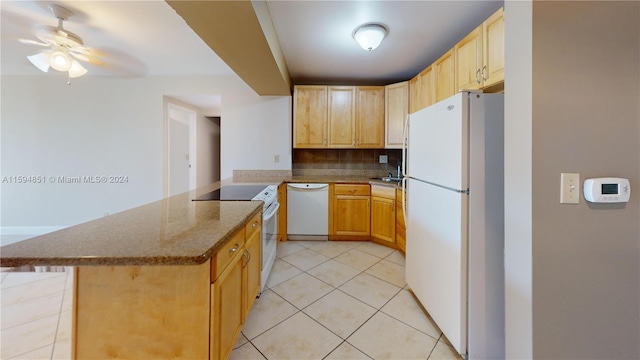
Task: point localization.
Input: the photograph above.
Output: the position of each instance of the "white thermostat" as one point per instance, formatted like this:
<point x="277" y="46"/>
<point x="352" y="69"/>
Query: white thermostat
<point x="607" y="190"/>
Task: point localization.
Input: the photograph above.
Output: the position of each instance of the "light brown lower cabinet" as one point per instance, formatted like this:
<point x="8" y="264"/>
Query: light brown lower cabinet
<point x="173" y="311"/>
<point x="349" y="206"/>
<point x="383" y="218"/>
<point x="401" y="231"/>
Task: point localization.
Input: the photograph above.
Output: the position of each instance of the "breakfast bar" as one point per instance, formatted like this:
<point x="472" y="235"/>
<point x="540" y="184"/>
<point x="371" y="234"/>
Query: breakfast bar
<point x="151" y="282"/>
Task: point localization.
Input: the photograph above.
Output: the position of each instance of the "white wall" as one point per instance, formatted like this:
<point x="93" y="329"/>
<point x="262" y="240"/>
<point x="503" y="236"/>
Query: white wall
<point x="114" y="126"/>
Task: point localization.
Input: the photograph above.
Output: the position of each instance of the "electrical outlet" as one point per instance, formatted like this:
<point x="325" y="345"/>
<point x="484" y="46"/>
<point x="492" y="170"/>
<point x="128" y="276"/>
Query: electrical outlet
<point x="276" y="158"/>
<point x="383" y="159"/>
<point x="569" y="188"/>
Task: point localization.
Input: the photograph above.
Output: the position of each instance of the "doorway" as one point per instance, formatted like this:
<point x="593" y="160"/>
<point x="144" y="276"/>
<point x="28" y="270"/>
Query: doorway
<point x="181" y="145"/>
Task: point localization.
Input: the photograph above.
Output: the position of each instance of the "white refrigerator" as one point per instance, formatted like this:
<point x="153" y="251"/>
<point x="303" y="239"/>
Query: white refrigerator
<point x="455" y="219"/>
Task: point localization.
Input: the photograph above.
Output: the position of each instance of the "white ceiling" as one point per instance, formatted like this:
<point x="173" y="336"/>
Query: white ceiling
<point x="141" y="38"/>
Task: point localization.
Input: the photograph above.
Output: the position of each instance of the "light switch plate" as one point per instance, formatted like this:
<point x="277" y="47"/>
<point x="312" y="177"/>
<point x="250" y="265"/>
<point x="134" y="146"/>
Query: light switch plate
<point x="569" y="188"/>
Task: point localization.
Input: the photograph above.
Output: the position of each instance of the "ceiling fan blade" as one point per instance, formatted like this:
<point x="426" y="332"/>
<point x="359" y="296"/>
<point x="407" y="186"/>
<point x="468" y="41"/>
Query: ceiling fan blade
<point x="33" y="42"/>
<point x="80" y="50"/>
<point x="81" y="57"/>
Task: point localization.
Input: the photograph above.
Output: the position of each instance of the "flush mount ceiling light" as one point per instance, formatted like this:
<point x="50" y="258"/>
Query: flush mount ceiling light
<point x="369" y="36"/>
<point x="64" y="47"/>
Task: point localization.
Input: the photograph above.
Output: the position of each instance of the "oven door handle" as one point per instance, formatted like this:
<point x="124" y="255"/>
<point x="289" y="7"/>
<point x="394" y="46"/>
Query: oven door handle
<point x="266" y="217"/>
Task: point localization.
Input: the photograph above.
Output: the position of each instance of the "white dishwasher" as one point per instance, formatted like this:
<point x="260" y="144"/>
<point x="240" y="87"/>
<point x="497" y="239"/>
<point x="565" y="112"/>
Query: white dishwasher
<point x="308" y="211"/>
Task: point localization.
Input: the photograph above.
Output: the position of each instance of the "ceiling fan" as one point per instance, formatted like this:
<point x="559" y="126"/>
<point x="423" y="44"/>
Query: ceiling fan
<point x="64" y="48"/>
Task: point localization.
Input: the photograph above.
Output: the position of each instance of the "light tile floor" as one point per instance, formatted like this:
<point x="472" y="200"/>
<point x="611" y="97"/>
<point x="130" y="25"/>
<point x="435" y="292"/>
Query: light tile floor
<point x="324" y="300"/>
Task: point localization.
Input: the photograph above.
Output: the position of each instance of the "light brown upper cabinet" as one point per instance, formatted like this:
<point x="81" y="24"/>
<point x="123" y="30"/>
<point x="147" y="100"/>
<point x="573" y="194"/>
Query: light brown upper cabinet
<point x="396" y="99"/>
<point x="480" y="55"/>
<point x="422" y="89"/>
<point x="342" y="116"/>
<point x="337" y="117"/>
<point x="444" y="69"/>
<point x="469" y="61"/>
<point x="370" y="117"/>
<point x="414" y="94"/>
<point x="493" y="48"/>
<point x="310" y="116"/>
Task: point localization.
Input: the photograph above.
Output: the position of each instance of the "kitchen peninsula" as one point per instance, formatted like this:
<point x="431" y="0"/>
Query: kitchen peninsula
<point x="150" y="282"/>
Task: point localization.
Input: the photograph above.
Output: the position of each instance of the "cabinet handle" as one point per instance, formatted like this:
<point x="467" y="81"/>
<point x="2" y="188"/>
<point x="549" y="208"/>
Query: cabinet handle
<point x="234" y="249"/>
<point x="484" y="78"/>
<point x="247" y="257"/>
<point x="478" y="74"/>
<point x="254" y="224"/>
<point x="324" y="142"/>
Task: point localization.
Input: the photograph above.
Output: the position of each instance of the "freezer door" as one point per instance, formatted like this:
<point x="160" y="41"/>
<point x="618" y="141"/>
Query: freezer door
<point x="438" y="143"/>
<point x="436" y="260"/>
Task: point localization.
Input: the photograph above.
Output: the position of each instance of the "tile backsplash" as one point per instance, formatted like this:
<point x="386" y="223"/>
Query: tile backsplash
<point x="347" y="159"/>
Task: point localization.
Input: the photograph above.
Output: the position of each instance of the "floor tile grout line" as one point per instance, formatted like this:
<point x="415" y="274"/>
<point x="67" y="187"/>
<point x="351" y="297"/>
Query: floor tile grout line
<point x="28" y="282"/>
<point x="64" y="294"/>
<point x="28" y="351"/>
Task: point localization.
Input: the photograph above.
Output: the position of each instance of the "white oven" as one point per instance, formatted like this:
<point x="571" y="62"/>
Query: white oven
<point x="269" y="231"/>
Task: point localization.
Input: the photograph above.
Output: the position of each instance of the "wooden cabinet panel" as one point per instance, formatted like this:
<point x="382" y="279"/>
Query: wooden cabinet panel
<point x="352" y="189"/>
<point x="468" y="55"/>
<point x="310" y="116"/>
<point x="349" y="206"/>
<point x="493" y="48"/>
<point x="351" y="215"/>
<point x="414" y="94"/>
<point x="370" y="108"/>
<point x="401" y="242"/>
<point x="427" y="87"/>
<point x="227" y="310"/>
<point x="230" y="251"/>
<point x="445" y="76"/>
<point x="252" y="262"/>
<point x="383" y="219"/>
<point x="141" y="312"/>
<point x="342" y="114"/>
<point x="396" y="109"/>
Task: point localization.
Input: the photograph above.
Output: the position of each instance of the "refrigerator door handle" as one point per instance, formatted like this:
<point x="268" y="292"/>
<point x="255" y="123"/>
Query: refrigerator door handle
<point x="404" y="200"/>
<point x="405" y="143"/>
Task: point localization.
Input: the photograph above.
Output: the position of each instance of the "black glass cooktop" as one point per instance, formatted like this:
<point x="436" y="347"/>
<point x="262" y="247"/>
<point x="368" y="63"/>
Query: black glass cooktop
<point x="232" y="192"/>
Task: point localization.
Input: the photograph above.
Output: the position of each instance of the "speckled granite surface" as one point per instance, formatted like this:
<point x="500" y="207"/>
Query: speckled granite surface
<point x="173" y="231"/>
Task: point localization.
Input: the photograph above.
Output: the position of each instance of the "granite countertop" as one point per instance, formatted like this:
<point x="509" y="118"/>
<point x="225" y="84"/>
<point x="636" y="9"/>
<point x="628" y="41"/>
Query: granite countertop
<point x="173" y="231"/>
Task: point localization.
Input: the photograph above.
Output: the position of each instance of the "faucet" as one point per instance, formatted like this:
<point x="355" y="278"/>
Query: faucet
<point x="399" y="171"/>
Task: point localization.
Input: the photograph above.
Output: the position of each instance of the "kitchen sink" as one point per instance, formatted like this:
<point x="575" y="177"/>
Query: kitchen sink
<point x="387" y="179"/>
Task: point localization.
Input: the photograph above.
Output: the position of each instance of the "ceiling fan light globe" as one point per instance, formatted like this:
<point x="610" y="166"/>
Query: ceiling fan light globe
<point x="60" y="60"/>
<point x="76" y="69"/>
<point x="370" y="36"/>
<point x="40" y="60"/>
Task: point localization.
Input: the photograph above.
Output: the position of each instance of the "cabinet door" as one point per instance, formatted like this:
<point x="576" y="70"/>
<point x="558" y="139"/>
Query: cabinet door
<point x="427" y="87"/>
<point x="351" y="215"/>
<point x="370" y="117"/>
<point x="414" y="94"/>
<point x="396" y="110"/>
<point x="445" y="76"/>
<point x="310" y="116"/>
<point x="383" y="219"/>
<point x="227" y="309"/>
<point x="493" y="43"/>
<point x="468" y="55"/>
<point x="251" y="264"/>
<point x="342" y="109"/>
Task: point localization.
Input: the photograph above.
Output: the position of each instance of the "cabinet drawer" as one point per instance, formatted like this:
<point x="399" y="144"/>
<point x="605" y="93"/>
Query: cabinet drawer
<point x="352" y="189"/>
<point x="226" y="254"/>
<point x="384" y="192"/>
<point x="254" y="224"/>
